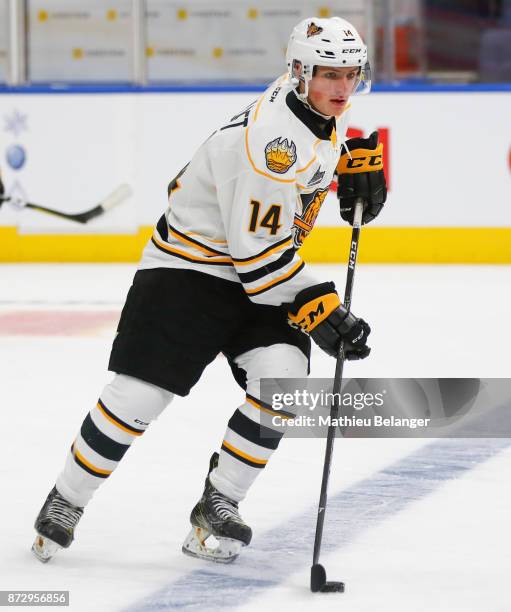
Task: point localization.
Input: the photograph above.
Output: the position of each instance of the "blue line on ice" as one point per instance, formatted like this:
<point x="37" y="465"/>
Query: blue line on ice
<point x="279" y="552"/>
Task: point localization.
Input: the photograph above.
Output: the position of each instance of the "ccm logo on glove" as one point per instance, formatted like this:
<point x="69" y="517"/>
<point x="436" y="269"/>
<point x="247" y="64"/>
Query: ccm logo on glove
<point x="319" y="312"/>
<point x="361" y="175"/>
<point x="311" y="314"/>
<point x="361" y="162"/>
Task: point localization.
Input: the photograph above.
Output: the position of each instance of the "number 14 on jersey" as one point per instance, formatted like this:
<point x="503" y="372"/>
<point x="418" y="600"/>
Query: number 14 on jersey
<point x="270" y="219"/>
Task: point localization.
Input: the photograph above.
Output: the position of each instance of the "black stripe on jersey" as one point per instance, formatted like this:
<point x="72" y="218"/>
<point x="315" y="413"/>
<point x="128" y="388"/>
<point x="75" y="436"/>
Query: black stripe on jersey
<point x="259" y="466"/>
<point x="100" y="443"/>
<point x="253" y="432"/>
<point x="163" y="229"/>
<point x="118" y="420"/>
<point x="271" y="247"/>
<point x="86" y="467"/>
<point x="281" y="262"/>
<point x="283" y="280"/>
<point x="269" y="407"/>
<point x="172" y="253"/>
<point x="189" y="239"/>
<point x="161" y="226"/>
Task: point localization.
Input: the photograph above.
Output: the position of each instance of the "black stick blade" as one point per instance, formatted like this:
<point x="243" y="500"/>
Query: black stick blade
<point x="333" y="587"/>
<point x="319" y="582"/>
<point x="318" y="577"/>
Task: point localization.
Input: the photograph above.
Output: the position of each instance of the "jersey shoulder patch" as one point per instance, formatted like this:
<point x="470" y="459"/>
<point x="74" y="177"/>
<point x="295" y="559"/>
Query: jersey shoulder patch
<point x="271" y="147"/>
<point x="276" y="143"/>
<point x="280" y="155"/>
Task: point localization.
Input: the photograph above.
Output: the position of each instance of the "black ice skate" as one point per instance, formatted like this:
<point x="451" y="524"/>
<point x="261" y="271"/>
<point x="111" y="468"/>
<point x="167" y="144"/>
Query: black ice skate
<point x="216" y="515"/>
<point x="55" y="526"/>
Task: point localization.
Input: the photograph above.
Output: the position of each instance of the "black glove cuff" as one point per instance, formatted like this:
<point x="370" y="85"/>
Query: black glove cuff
<point x="363" y="143"/>
<point x="341" y="320"/>
<point x="310" y="293"/>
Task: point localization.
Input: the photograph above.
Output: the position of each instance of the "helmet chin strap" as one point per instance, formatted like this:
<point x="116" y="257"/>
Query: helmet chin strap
<point x="304" y="100"/>
<point x="309" y="105"/>
<point x="303" y="97"/>
<point x="296" y="84"/>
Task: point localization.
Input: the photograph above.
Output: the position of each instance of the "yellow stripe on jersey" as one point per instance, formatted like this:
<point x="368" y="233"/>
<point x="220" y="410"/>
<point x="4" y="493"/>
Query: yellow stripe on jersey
<point x="239" y="452"/>
<point x="256" y="258"/>
<point x="312" y="160"/>
<point x="211" y="260"/>
<point x="283" y="78"/>
<point x="275" y="281"/>
<point x="202" y="248"/>
<point x="205" y="238"/>
<point x="258" y="106"/>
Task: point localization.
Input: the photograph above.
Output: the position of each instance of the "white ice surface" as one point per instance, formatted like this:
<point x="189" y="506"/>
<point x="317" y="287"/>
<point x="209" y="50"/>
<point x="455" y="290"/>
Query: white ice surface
<point x="447" y="550"/>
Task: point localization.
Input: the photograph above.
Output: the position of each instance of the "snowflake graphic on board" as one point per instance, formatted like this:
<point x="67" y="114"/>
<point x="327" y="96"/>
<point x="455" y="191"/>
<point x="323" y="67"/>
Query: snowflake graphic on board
<point x="16" y="123"/>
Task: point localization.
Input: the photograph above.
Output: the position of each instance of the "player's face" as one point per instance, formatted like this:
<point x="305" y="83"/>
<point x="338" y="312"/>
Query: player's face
<point x="330" y="89"/>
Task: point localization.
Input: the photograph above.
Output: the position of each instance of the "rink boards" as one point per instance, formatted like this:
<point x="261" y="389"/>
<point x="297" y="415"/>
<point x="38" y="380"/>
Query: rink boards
<point x="448" y="168"/>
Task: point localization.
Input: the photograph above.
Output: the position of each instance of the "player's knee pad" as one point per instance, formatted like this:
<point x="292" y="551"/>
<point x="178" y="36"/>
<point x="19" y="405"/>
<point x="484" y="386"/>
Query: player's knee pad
<point x="272" y="362"/>
<point x="135" y="401"/>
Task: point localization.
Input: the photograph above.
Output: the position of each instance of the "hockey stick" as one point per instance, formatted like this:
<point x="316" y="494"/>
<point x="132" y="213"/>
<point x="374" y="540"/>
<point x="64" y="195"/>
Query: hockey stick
<point x="116" y="197"/>
<point x="318" y="573"/>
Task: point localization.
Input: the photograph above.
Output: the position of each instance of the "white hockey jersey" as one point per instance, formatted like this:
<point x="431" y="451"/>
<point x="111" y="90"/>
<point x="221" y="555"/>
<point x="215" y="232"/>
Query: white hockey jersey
<point x="243" y="206"/>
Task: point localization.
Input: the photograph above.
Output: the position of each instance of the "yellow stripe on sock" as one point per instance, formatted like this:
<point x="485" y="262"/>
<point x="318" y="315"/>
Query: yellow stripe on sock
<point x="268" y="410"/>
<point x="89" y="464"/>
<point x="116" y="423"/>
<point x="237" y="451"/>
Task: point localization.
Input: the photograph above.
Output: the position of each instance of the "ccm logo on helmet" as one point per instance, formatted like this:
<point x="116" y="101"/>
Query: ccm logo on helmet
<point x="352" y="50"/>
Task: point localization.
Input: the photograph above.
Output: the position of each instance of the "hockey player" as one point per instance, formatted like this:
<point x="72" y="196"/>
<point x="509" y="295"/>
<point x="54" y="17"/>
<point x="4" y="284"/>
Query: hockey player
<point x="222" y="273"/>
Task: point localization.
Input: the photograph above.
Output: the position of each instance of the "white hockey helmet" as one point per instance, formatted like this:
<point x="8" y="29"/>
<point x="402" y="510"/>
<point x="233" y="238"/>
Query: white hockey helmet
<point x="326" y="42"/>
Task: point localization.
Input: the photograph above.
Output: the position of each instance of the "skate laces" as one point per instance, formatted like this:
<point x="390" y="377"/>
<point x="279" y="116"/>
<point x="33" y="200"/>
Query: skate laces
<point x="225" y="508"/>
<point x="63" y="513"/>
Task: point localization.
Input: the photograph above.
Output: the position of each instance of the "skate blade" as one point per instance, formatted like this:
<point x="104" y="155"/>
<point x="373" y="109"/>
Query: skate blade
<point x="195" y="546"/>
<point x="44" y="549"/>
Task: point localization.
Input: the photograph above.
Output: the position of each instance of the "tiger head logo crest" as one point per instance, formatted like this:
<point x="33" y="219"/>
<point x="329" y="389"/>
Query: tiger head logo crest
<point x="311" y="205"/>
<point x="280" y="155"/>
<point x="313" y="30"/>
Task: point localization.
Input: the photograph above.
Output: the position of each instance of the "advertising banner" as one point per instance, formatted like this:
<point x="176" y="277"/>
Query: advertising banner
<point x="201" y="40"/>
<point x="185" y="41"/>
<point x="4" y="40"/>
<point x="447" y="159"/>
<point x="80" y="41"/>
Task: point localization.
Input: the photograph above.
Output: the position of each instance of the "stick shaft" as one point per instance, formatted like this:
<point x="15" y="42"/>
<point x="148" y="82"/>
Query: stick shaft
<point x="339" y="367"/>
<point x="117" y="196"/>
<point x="113" y="199"/>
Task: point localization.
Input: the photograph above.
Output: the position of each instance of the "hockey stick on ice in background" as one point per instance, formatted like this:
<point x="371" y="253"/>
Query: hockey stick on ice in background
<point x="318" y="573"/>
<point x="113" y="199"/>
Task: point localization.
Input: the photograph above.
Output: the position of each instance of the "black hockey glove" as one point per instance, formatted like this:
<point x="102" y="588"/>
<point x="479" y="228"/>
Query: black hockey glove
<point x="318" y="311"/>
<point x="362" y="176"/>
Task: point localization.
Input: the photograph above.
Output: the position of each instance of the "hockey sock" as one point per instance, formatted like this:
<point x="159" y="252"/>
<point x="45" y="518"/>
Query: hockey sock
<point x="124" y="411"/>
<point x="251" y="437"/>
<point x="246" y="449"/>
